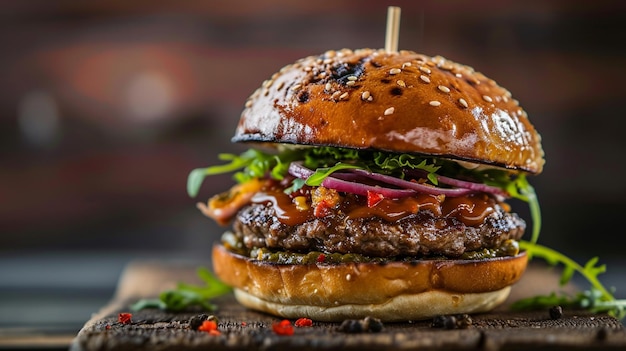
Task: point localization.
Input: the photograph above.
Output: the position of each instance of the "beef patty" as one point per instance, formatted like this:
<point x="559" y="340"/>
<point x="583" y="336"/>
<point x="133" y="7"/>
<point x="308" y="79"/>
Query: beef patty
<point x="417" y="235"/>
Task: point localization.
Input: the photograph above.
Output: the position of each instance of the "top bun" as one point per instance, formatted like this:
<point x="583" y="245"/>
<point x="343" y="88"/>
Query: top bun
<point x="393" y="101"/>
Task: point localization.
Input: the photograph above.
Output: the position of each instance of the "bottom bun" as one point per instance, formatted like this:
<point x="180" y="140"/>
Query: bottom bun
<point x="391" y="291"/>
<point x="398" y="308"/>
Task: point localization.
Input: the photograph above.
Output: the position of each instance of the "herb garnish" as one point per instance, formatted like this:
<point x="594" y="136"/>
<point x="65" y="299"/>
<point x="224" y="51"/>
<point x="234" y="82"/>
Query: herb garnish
<point x="187" y="295"/>
<point x="597" y="299"/>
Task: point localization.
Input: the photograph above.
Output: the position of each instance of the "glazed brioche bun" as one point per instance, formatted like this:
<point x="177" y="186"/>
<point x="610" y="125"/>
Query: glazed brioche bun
<point x="393" y="291"/>
<point x="393" y="101"/>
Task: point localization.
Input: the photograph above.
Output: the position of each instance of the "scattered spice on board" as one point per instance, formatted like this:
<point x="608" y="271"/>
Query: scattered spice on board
<point x="125" y="318"/>
<point x="209" y="327"/>
<point x="283" y="327"/>
<point x="303" y="322"/>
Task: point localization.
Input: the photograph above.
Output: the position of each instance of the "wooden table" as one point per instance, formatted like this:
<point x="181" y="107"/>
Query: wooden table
<point x="240" y="328"/>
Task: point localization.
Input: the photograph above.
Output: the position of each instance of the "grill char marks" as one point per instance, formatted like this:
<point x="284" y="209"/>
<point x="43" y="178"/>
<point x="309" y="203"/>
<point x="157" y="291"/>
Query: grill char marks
<point x="343" y="71"/>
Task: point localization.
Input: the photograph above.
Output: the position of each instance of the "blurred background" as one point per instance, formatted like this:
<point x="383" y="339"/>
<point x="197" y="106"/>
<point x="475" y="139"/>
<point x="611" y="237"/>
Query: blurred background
<point x="105" y="107"/>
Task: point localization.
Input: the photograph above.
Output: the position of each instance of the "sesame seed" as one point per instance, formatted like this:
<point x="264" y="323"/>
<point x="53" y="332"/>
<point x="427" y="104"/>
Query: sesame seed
<point x="395" y="71"/>
<point x="389" y="111"/>
<point x="504" y="98"/>
<point x="350" y="83"/>
<point x="406" y="64"/>
<point x="434" y="103"/>
<point x="444" y="89"/>
<point x="487" y="98"/>
<point x="343" y="96"/>
<point x="266" y="92"/>
<point x="308" y="69"/>
<point x="296" y="87"/>
<point x="322" y="75"/>
<point x="463" y="102"/>
<point x="267" y="83"/>
<point x="336" y="94"/>
<point x="425" y="79"/>
<point x="371" y="98"/>
<point x="348" y="277"/>
<point x="280" y="86"/>
<point x="425" y="69"/>
<point x="401" y="83"/>
<point x="248" y="103"/>
<point x="327" y="61"/>
<point x="365" y="95"/>
<point x="328" y="87"/>
<point x="352" y="78"/>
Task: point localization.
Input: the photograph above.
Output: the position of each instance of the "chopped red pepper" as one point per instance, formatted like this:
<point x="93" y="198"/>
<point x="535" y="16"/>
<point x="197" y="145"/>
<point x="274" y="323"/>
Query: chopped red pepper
<point x="373" y="198"/>
<point x="321" y="210"/>
<point x="303" y="322"/>
<point x="208" y="326"/>
<point x="124" y="318"/>
<point x="321" y="258"/>
<point x="283" y="327"/>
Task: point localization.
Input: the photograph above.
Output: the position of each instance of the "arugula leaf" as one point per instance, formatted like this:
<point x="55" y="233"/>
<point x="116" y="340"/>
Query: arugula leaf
<point x="320" y="174"/>
<point x="253" y="163"/>
<point x="518" y="187"/>
<point x="187" y="295"/>
<point x="596" y="299"/>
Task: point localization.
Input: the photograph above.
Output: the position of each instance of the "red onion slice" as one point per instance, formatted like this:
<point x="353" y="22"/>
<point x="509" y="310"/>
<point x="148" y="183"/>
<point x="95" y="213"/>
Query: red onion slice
<point x="462" y="183"/>
<point x="347" y="183"/>
<point x="298" y="170"/>
<point x="421" y="188"/>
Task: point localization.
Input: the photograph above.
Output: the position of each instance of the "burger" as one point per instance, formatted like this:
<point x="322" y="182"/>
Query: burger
<point x="376" y="184"/>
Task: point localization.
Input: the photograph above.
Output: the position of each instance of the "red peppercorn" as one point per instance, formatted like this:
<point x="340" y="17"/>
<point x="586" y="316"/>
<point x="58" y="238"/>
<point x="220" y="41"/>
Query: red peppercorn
<point x="283" y="327"/>
<point x="208" y="326"/>
<point x="124" y="318"/>
<point x="303" y="322"/>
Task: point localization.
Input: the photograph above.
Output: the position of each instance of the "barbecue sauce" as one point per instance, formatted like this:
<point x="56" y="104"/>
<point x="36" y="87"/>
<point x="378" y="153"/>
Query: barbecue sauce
<point x="470" y="209"/>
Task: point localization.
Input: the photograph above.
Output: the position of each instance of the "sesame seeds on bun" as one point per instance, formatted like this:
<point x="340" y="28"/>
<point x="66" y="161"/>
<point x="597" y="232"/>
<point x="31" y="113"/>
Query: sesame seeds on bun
<point x="396" y="102"/>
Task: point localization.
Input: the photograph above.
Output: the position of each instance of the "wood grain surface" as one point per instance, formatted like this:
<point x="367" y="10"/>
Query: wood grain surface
<point x="152" y="329"/>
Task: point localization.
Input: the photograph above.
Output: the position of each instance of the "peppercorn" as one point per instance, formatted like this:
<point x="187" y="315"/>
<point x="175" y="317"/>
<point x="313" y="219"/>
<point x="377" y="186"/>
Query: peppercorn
<point x="351" y="326"/>
<point x="444" y="321"/>
<point x="196" y="321"/>
<point x="368" y="324"/>
<point x="374" y="325"/>
<point x="463" y="321"/>
<point x="556" y="312"/>
<point x="457" y="321"/>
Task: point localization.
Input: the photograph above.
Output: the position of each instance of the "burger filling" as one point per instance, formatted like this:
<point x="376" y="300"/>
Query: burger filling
<point x="335" y="205"/>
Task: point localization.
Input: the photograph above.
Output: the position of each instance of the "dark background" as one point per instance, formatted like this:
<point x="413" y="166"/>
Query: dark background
<point x="105" y="107"/>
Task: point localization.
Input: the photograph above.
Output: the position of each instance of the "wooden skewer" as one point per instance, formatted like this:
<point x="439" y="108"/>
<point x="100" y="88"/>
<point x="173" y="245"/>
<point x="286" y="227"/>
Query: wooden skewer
<point x="393" y="29"/>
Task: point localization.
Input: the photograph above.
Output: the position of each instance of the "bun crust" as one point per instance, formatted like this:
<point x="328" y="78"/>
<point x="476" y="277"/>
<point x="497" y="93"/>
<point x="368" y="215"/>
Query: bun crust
<point x="398" y="102"/>
<point x="390" y="291"/>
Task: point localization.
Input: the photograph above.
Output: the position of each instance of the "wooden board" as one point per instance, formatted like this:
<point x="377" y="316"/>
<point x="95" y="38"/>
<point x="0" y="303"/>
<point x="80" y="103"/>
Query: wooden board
<point x="240" y="328"/>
